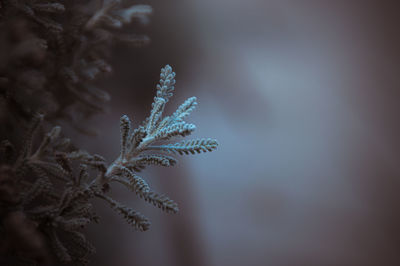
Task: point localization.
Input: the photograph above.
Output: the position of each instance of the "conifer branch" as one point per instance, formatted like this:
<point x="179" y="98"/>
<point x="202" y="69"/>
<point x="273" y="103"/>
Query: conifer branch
<point x="65" y="179"/>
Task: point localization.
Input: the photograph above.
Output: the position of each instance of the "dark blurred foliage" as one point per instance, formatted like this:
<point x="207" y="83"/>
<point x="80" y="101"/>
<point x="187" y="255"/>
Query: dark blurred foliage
<point x="52" y="55"/>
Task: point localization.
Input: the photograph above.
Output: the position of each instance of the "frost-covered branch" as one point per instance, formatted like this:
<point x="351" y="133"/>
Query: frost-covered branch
<point x="83" y="176"/>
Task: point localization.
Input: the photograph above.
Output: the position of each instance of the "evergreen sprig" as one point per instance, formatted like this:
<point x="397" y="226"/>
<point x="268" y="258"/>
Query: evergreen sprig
<point x="57" y="197"/>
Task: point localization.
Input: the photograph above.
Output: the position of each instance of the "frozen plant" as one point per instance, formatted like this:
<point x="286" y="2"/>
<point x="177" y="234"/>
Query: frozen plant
<point x="58" y="200"/>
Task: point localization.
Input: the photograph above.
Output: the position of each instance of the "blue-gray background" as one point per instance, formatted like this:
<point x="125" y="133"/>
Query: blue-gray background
<point x="303" y="98"/>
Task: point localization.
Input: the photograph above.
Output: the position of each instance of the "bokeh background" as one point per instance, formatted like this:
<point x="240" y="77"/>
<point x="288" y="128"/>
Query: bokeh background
<point x="303" y="98"/>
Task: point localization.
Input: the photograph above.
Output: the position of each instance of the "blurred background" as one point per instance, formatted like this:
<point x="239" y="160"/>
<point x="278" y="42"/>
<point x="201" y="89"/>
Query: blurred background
<point x="303" y="98"/>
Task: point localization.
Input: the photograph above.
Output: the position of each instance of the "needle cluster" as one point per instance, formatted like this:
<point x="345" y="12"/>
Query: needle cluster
<point x="54" y="183"/>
